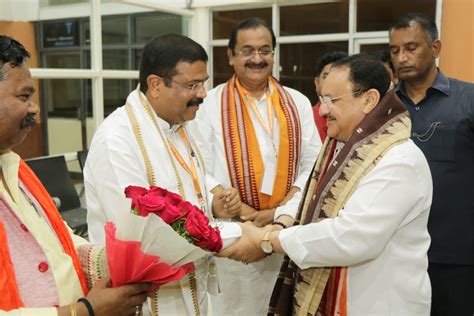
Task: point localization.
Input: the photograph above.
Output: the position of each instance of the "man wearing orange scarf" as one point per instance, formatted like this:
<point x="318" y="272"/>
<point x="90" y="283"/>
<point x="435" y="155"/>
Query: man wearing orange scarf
<point x="258" y="137"/>
<point x="41" y="272"/>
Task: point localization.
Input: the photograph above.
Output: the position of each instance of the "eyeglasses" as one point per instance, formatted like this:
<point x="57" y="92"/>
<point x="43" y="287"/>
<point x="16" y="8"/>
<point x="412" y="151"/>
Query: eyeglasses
<point x="247" y="52"/>
<point x="329" y="102"/>
<point x="191" y="87"/>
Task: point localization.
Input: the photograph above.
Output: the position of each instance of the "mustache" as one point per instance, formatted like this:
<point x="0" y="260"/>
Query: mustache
<point x="28" y="121"/>
<point x="194" y="101"/>
<point x="250" y="64"/>
<point x="329" y="117"/>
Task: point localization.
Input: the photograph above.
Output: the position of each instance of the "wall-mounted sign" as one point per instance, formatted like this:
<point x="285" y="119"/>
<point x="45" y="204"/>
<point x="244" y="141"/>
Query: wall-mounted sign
<point x="61" y="33"/>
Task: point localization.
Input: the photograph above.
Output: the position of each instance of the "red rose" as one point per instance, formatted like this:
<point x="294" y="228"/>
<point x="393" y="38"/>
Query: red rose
<point x="171" y="214"/>
<point x="214" y="241"/>
<point x="134" y="192"/>
<point x="197" y="224"/>
<point x="173" y="198"/>
<point x="150" y="203"/>
<point x="158" y="191"/>
<point x="170" y="197"/>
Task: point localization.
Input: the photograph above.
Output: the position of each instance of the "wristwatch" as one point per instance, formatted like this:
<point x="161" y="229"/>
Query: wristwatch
<point x="266" y="245"/>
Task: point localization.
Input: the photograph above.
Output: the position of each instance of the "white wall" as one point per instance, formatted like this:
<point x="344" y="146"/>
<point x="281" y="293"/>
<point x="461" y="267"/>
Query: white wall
<point x="19" y="10"/>
<point x="64" y="135"/>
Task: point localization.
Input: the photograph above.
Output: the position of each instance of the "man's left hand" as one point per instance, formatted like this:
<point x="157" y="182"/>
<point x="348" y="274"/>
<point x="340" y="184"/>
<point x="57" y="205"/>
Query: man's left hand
<point x="260" y="218"/>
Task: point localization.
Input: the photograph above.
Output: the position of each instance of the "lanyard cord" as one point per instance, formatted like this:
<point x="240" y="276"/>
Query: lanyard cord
<point x="190" y="170"/>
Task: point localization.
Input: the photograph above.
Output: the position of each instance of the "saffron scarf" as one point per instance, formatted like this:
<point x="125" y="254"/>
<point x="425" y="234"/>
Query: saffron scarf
<point x="244" y="160"/>
<point x="305" y="292"/>
<point x="10" y="298"/>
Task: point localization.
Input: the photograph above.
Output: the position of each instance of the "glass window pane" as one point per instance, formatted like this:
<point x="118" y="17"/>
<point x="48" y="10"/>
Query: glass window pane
<point x="221" y="68"/>
<point x="318" y="18"/>
<point x="62" y="97"/>
<point x="151" y="25"/>
<point x="86" y="31"/>
<point x="376" y="15"/>
<point x="368" y="48"/>
<point x="298" y="64"/>
<point x="116" y="92"/>
<point x="224" y="21"/>
<point x="62" y="60"/>
<point x="87" y="59"/>
<point x="138" y="57"/>
<point x="115" y="30"/>
<point x="115" y="59"/>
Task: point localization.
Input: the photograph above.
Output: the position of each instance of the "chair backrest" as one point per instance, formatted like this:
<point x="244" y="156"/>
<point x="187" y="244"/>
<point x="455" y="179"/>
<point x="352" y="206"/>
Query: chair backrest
<point x="81" y="157"/>
<point x="53" y="173"/>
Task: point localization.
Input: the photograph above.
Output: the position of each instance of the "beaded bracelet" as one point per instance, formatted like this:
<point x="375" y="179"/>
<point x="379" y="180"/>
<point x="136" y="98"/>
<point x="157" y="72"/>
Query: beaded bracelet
<point x="88" y="305"/>
<point x="279" y="223"/>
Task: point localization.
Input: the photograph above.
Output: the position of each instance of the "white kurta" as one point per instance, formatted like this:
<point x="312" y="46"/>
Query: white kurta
<point x="380" y="234"/>
<point x="246" y="289"/>
<point x="115" y="161"/>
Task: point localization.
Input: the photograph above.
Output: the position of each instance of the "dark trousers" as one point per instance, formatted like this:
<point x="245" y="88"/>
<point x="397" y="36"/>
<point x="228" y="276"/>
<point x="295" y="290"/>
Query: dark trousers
<point x="452" y="289"/>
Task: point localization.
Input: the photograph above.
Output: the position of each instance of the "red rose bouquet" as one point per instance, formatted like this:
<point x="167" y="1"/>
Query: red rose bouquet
<point x="187" y="220"/>
<point x="162" y="248"/>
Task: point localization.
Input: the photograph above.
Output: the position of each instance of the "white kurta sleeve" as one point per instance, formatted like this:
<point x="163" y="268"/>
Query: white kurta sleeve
<point x="112" y="165"/>
<point x="291" y="207"/>
<point x="395" y="192"/>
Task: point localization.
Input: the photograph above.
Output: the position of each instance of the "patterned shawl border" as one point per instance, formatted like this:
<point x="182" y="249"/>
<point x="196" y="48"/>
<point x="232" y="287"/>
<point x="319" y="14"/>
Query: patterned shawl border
<point x="234" y="121"/>
<point x="294" y="132"/>
<point x="232" y="118"/>
<point x="250" y="182"/>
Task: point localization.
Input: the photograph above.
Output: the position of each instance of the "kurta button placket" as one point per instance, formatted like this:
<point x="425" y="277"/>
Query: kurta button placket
<point x="43" y="267"/>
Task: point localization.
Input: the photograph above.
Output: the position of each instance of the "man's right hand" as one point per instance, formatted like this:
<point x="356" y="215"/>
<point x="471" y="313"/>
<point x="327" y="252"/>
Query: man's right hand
<point x="117" y="301"/>
<point x="226" y="202"/>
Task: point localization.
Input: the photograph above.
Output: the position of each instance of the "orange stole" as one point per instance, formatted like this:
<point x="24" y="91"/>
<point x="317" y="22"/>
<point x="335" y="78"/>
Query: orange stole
<point x="10" y="298"/>
<point x="244" y="160"/>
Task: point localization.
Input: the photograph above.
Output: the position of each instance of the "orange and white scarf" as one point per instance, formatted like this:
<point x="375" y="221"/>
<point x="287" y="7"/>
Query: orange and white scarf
<point x="10" y="298"/>
<point x="244" y="159"/>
